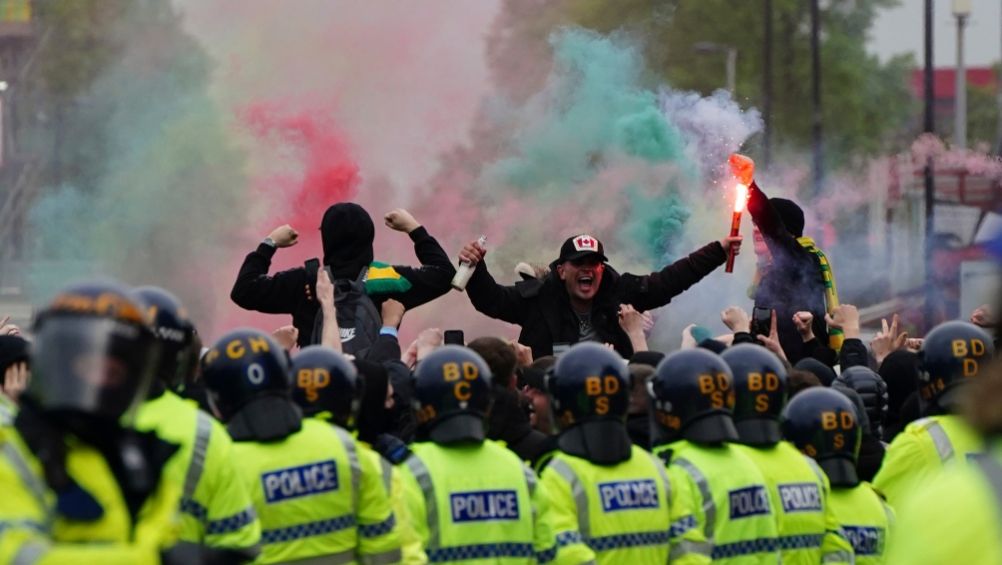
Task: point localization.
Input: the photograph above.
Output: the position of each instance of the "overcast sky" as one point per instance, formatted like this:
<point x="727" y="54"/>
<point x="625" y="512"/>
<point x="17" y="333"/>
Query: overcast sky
<point x="899" y="30"/>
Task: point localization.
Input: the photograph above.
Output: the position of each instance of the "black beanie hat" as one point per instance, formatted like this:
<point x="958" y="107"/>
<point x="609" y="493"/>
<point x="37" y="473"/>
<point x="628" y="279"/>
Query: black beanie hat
<point x="13" y="349"/>
<point x="823" y="372"/>
<point x="791" y="214"/>
<point x="347" y="233"/>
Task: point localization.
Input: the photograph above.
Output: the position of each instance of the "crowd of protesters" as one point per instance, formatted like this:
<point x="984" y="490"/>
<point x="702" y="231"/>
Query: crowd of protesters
<point x="126" y="436"/>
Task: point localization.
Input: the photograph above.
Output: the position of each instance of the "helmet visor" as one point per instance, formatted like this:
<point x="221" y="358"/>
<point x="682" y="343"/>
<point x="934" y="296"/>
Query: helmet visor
<point x="92" y="365"/>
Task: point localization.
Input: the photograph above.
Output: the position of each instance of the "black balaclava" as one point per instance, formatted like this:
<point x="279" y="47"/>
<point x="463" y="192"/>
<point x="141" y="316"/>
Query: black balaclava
<point x="347" y="233"/>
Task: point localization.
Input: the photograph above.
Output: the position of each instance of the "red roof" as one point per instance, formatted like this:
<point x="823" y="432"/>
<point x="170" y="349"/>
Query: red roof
<point x="944" y="80"/>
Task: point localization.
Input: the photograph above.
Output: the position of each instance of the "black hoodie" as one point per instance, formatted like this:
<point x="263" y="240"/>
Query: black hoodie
<point x="543" y="308"/>
<point x="794" y="281"/>
<point x="347" y="233"/>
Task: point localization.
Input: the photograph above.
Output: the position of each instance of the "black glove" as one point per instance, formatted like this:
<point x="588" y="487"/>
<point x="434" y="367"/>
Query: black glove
<point x="392" y="448"/>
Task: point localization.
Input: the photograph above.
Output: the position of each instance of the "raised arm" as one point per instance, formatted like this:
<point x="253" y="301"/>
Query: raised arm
<point x="658" y="288"/>
<point x="506" y="303"/>
<point x="277" y="294"/>
<point x="767" y="220"/>
<point x="431" y="279"/>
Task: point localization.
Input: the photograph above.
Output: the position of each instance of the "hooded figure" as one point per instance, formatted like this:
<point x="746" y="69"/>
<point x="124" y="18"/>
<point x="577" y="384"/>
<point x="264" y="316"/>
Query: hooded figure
<point x="347" y="233"/>
<point x="789" y="279"/>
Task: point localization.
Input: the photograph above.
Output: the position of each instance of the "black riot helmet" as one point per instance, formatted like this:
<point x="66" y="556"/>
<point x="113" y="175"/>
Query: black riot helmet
<point x="326" y="384"/>
<point x="759" y="393"/>
<point x="590" y="391"/>
<point x="953" y="353"/>
<point x="872" y="391"/>
<point x="179" y="344"/>
<point x="247" y="376"/>
<point x="452" y="395"/>
<point x="94" y="353"/>
<point x="692" y="397"/>
<point x="823" y="424"/>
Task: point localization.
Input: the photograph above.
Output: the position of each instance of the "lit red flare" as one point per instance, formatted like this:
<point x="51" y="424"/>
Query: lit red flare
<point x="743" y="169"/>
<point x="740" y="198"/>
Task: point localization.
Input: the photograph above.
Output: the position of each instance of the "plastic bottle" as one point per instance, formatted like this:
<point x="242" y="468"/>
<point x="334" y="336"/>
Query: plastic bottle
<point x="465" y="270"/>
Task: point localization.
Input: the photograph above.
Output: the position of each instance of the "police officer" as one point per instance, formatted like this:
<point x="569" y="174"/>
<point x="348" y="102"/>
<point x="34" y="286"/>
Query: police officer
<point x="613" y="494"/>
<point x="471" y="498"/>
<point x="216" y="507"/>
<point x="692" y="395"/>
<point x="823" y="423"/>
<point x="79" y="486"/>
<point x="863" y="383"/>
<point x="954" y="353"/>
<point x="313" y="493"/>
<point x="956" y="518"/>
<point x="327" y="386"/>
<point x="798" y="489"/>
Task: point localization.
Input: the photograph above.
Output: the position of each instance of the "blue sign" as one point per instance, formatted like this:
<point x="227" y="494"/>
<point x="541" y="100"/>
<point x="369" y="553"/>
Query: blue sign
<point x="800" y="497"/>
<point x="748" y="501"/>
<point x="484" y="505"/>
<point x="865" y="540"/>
<point x="314" y="478"/>
<point x="628" y="495"/>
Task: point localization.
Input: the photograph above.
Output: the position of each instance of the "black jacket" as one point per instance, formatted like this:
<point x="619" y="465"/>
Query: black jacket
<point x="284" y="292"/>
<point x="543" y="308"/>
<point x="793" y="282"/>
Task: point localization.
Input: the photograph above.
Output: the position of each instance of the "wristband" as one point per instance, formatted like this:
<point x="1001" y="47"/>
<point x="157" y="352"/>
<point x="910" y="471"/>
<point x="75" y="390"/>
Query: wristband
<point x="389" y="330"/>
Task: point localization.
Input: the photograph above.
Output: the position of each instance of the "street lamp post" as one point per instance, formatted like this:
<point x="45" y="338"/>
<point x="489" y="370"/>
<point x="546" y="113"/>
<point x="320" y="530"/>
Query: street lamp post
<point x="705" y="47"/>
<point x="816" y="112"/>
<point x="961" y="10"/>
<point x="930" y="185"/>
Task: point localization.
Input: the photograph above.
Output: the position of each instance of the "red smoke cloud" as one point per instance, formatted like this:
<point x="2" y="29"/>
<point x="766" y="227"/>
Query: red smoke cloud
<point x="323" y="171"/>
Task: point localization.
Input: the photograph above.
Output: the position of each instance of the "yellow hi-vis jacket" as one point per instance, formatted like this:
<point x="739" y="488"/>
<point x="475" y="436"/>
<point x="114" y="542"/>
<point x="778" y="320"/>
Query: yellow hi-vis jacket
<point x="478" y="503"/>
<point x="799" y="492"/>
<point x="955" y="519"/>
<point x="31" y="531"/>
<point x="866" y="521"/>
<point x="921" y="451"/>
<point x="733" y="509"/>
<point x="626" y="513"/>
<point x="316" y="496"/>
<point x="216" y="507"/>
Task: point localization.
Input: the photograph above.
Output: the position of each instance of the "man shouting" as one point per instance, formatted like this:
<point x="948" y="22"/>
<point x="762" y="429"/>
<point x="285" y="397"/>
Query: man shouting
<point x="580" y="299"/>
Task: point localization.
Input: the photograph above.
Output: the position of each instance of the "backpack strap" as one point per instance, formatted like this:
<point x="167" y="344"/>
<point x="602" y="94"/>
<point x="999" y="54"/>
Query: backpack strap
<point x="312" y="267"/>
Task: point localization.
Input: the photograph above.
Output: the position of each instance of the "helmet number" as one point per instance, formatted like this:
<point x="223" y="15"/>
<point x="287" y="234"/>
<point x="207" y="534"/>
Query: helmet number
<point x="837" y="420"/>
<point x="603" y="388"/>
<point x="768" y="382"/>
<point x="312" y="379"/>
<point x="962" y="350"/>
<point x="255" y="373"/>
<point x="718" y="389"/>
<point x="461" y="374"/>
